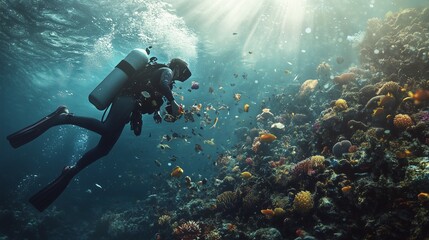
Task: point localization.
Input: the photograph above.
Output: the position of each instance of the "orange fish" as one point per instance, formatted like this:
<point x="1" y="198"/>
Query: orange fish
<point x="423" y="197"/>
<point x="419" y="96"/>
<point x="268" y="212"/>
<point x="246" y="107"/>
<point x="346" y="189"/>
<point x="404" y="154"/>
<point x="267" y="137"/>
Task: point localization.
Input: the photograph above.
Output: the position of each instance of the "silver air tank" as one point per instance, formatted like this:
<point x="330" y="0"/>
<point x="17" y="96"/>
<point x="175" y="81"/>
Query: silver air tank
<point x="106" y="91"/>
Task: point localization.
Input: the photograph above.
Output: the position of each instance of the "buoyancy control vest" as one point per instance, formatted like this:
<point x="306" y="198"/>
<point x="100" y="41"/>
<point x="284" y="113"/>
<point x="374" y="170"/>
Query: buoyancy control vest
<point x="146" y="80"/>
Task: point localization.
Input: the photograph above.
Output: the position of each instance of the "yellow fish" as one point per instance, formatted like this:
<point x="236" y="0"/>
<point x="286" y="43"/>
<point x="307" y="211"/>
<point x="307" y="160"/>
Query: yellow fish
<point x="164" y="146"/>
<point x="209" y="142"/>
<point x="177" y="172"/>
<point x="279" y="211"/>
<point x="246" y="175"/>
<point x="237" y="97"/>
<point x="215" y="122"/>
<point x="246" y="107"/>
<point x="235" y="169"/>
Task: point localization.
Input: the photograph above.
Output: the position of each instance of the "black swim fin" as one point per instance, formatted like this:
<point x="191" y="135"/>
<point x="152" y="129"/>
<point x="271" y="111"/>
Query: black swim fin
<point x="47" y="195"/>
<point x="31" y="132"/>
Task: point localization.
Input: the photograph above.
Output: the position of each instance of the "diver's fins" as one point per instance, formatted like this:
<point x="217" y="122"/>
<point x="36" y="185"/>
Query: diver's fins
<point x="31" y="132"/>
<point x="47" y="195"/>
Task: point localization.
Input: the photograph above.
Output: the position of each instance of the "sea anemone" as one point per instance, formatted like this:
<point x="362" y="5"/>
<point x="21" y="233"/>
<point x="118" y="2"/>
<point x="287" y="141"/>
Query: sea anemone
<point x="303" y="202"/>
<point x="402" y="121"/>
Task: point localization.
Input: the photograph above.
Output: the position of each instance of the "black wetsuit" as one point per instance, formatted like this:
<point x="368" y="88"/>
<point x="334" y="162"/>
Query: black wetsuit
<point x="157" y="83"/>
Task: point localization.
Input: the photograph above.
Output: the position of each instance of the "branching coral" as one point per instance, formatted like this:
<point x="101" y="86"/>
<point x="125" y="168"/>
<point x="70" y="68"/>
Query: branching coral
<point x="308" y="166"/>
<point x="189" y="230"/>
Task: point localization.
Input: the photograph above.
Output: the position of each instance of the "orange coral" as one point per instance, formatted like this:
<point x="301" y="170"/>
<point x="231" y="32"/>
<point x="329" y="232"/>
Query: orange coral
<point x="344" y="78"/>
<point x="402" y="121"/>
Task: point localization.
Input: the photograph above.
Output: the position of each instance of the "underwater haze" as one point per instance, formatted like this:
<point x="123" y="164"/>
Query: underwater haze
<point x="311" y="120"/>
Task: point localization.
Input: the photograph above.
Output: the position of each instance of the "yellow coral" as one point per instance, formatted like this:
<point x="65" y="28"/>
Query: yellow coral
<point x="303" y="202"/>
<point x="164" y="219"/>
<point x="402" y="121"/>
<point x="341" y="105"/>
<point x="317" y="161"/>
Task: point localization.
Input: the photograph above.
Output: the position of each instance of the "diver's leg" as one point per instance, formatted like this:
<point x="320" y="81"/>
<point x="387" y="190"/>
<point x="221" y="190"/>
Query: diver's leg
<point x="118" y="117"/>
<point x="91" y="124"/>
<point x="116" y="120"/>
<point x="60" y="116"/>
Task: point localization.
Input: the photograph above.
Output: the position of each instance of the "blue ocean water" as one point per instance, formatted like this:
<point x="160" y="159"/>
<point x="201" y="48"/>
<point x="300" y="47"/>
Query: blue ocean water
<point x="54" y="53"/>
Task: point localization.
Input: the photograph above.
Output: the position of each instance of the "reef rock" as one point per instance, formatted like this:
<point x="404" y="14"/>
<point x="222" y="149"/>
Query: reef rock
<point x="267" y="234"/>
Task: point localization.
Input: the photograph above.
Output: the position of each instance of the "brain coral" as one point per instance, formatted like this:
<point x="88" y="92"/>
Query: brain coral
<point x="402" y="121"/>
<point x="389" y="87"/>
<point x="341" y="147"/>
<point x="303" y="202"/>
<point x="307" y="87"/>
<point x="344" y="78"/>
<point x="226" y="200"/>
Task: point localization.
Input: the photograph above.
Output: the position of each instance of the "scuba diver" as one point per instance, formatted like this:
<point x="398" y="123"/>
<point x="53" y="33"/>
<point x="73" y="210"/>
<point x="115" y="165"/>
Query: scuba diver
<point x="143" y="91"/>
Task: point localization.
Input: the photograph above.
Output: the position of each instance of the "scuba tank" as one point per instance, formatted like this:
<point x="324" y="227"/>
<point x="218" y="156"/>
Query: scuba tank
<point x="108" y="89"/>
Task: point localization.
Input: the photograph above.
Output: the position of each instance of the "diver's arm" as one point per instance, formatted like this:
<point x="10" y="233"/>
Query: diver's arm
<point x="165" y="82"/>
<point x="165" y="89"/>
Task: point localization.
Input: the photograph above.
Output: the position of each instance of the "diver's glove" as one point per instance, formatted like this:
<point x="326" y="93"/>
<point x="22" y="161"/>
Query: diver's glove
<point x="136" y="122"/>
<point x="176" y="109"/>
<point x="157" y="117"/>
<point x="169" y="116"/>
